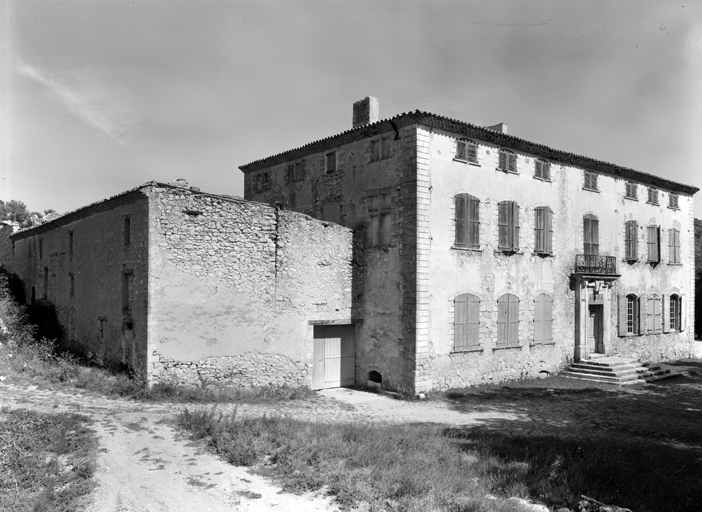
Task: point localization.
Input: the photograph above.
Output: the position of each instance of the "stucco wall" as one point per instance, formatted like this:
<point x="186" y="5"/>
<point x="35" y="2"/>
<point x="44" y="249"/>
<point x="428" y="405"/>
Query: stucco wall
<point x="385" y="282"/>
<point x="234" y="285"/>
<point x="97" y="264"/>
<point x="489" y="273"/>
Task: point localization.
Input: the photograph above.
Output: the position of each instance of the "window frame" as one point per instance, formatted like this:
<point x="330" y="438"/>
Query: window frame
<point x="380" y="219"/>
<point x="467" y="146"/>
<point x="543" y="244"/>
<point x="652" y="196"/>
<point x="654" y="315"/>
<point x="466" y="222"/>
<point x="591" y="181"/>
<point x="508" y="158"/>
<point x="330" y="162"/>
<point x="507" y="321"/>
<point x="675" y="312"/>
<point x="631" y="240"/>
<point x="591" y="235"/>
<point x="543" y="319"/>
<point x="674" y="256"/>
<point x="508" y="226"/>
<point x="127" y="231"/>
<point x="674" y="201"/>
<point x="653" y="241"/>
<point x="542" y="169"/>
<point x="631" y="186"/>
<point x="466" y="323"/>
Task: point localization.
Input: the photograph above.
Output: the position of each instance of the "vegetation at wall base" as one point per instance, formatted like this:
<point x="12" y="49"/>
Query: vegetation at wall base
<point x="47" y="461"/>
<point x="422" y="467"/>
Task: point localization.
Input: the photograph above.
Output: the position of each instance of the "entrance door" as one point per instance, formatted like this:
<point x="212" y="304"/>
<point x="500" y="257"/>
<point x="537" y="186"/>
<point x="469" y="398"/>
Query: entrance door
<point x="594" y="330"/>
<point x="334" y="355"/>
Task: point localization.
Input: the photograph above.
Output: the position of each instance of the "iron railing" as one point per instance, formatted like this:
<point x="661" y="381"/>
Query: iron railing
<point x="595" y="264"/>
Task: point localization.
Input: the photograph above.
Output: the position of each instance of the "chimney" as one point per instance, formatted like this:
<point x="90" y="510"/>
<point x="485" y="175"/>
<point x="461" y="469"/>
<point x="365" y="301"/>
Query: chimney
<point x="499" y="128"/>
<point x="366" y="111"/>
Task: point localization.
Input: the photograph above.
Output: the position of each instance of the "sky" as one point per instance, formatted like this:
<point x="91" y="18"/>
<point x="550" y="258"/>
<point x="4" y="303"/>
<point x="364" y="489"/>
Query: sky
<point x="101" y="96"/>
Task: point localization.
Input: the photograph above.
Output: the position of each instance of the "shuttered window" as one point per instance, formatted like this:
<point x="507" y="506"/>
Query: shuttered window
<point x="543" y="230"/>
<point x="631" y="191"/>
<point x="631" y="242"/>
<point x="673" y="201"/>
<point x="508" y="161"/>
<point x="654" y="312"/>
<point x="385" y="147"/>
<point x="591" y="235"/>
<point x="466" y="322"/>
<point x="508" y="321"/>
<point x="675" y="305"/>
<point x="467" y="221"/>
<point x="590" y="182"/>
<point x="543" y="319"/>
<point x="652" y="196"/>
<point x="674" y="246"/>
<point x="466" y="151"/>
<point x="508" y="226"/>
<point x="331" y="162"/>
<point x="380" y="213"/>
<point x="628" y="315"/>
<point x="654" y="253"/>
<point x="542" y="169"/>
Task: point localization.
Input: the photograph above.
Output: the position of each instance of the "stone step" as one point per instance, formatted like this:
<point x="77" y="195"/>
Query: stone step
<point x="638" y="375"/>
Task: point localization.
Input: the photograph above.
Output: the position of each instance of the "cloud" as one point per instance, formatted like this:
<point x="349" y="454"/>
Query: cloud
<point x="107" y="109"/>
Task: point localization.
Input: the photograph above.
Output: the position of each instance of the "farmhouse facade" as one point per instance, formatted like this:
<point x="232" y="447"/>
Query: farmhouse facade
<point x="487" y="257"/>
<point x="195" y="288"/>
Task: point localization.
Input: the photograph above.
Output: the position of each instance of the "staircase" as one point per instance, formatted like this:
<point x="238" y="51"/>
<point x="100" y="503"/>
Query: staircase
<point x="615" y="370"/>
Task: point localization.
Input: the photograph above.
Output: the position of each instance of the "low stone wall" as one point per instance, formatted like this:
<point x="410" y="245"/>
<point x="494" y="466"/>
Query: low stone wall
<point x="251" y="369"/>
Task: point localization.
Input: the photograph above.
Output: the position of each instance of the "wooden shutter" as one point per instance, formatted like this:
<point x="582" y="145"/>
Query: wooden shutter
<point x="682" y="313"/>
<point x="512" y="159"/>
<point x="546" y="171"/>
<point x="623" y="316"/>
<point x="591" y="235"/>
<point x="502" y="319"/>
<point x="461" y="214"/>
<point x="548" y="247"/>
<point x="460" y="321"/>
<point x="657" y="317"/>
<point x="515" y="226"/>
<point x="472" y="152"/>
<point x="539" y="229"/>
<point x="653" y="244"/>
<point x="473" y="211"/>
<point x="643" y="315"/>
<point x="548" y="319"/>
<point x="461" y="149"/>
<point x="666" y="304"/>
<point x="513" y="319"/>
<point x="473" y="321"/>
<point x="543" y="319"/>
<point x="503" y="213"/>
<point x="630" y="239"/>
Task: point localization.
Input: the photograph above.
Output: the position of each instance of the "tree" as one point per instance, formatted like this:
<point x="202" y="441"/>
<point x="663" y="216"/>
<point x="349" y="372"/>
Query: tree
<point x="15" y="211"/>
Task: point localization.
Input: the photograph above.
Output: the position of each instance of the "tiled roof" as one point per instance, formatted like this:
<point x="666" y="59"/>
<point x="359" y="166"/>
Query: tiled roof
<point x="468" y="130"/>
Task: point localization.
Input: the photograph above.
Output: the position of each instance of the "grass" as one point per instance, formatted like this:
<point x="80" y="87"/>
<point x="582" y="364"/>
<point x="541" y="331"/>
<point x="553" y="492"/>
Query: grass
<point x="46" y="461"/>
<point x="420" y="468"/>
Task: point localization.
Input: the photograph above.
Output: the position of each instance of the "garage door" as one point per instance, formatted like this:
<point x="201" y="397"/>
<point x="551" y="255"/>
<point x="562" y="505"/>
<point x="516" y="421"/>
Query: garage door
<point x="334" y="356"/>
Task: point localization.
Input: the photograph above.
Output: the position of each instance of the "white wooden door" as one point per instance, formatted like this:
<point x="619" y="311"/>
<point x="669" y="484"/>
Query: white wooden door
<point x="334" y="358"/>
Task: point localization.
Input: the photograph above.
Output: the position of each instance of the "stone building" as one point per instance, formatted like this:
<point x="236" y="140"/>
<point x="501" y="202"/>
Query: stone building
<point x="196" y="288"/>
<point x="487" y="257"/>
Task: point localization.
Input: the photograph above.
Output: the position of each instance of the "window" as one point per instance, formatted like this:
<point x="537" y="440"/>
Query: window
<point x="466" y="322"/>
<point x="296" y="172"/>
<point x="41" y="248"/>
<point x="652" y="196"/>
<point x="631" y="240"/>
<point x="262" y="182"/>
<point x="654" y="252"/>
<point x="631" y="191"/>
<point x="590" y="182"/>
<point x="380" y="211"/>
<point x="127" y="278"/>
<point x="70" y="244"/>
<point x="380" y="148"/>
<point x="542" y="169"/>
<point x="466" y="151"/>
<point x="675" y="304"/>
<point x="46" y="282"/>
<point x="71" y="286"/>
<point x="330" y="162"/>
<point x="508" y="226"/>
<point x="543" y="230"/>
<point x="674" y="246"/>
<point x="543" y="319"/>
<point x="673" y="201"/>
<point x="508" y="161"/>
<point x="467" y="221"/>
<point x="628" y="315"/>
<point x="127" y="230"/>
<point x="102" y="327"/>
<point x="653" y="314"/>
<point x="508" y="321"/>
<point x="591" y="235"/>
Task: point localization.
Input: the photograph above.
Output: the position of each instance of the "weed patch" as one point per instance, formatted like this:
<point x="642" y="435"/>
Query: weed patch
<point x="47" y="461"/>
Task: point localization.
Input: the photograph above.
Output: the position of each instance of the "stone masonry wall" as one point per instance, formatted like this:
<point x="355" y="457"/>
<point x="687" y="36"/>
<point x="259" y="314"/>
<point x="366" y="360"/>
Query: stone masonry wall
<point x="234" y="286"/>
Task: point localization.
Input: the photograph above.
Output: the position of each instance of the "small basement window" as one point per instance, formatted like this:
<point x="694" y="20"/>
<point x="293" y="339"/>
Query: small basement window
<point x="374" y="376"/>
